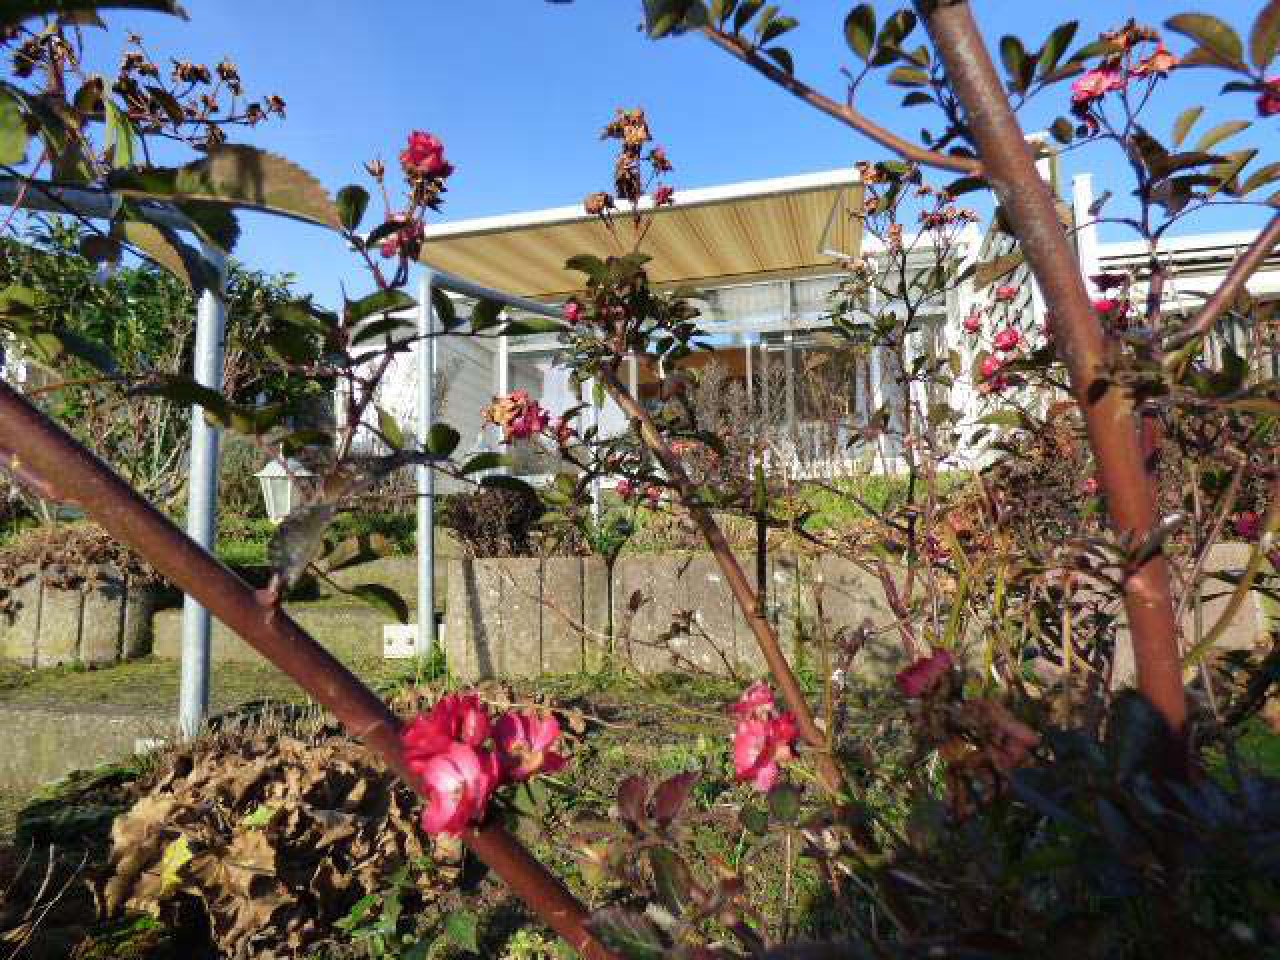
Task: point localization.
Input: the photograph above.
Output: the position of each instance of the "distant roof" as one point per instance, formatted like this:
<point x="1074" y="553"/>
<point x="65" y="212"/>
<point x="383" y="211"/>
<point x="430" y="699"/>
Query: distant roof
<point x="730" y="233"/>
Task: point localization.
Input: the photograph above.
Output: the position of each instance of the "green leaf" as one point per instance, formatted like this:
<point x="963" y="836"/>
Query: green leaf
<point x="381" y="597"/>
<point x="784" y="803"/>
<point x="1264" y="38"/>
<point x="896" y="29"/>
<point x="593" y="267"/>
<point x="1016" y="62"/>
<point x="776" y="27"/>
<point x="15" y="11"/>
<point x="1213" y="35"/>
<point x="446" y="315"/>
<point x="352" y="202"/>
<point x="237" y="175"/>
<point x="1219" y="133"/>
<point x="381" y="301"/>
<point x="782" y="57"/>
<point x="390" y="429"/>
<point x="631" y="934"/>
<point x="214" y="223"/>
<point x="442" y="440"/>
<point x="261" y="816"/>
<point x="527" y="326"/>
<point x="177" y="854"/>
<point x="485" y="314"/>
<point x="165" y="249"/>
<point x="486" y="461"/>
<point x="672" y="879"/>
<point x="1054" y="47"/>
<point x="1260" y="177"/>
<point x="504" y="482"/>
<point x="120" y="135"/>
<point x="1186" y="120"/>
<point x="298" y="541"/>
<point x="908" y="77"/>
<point x="462" y="929"/>
<point x="13" y="130"/>
<point x="1063" y="130"/>
<point x="746" y="11"/>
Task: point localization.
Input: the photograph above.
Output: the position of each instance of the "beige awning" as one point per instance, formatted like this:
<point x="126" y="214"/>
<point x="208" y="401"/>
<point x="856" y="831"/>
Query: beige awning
<point x="736" y="233"/>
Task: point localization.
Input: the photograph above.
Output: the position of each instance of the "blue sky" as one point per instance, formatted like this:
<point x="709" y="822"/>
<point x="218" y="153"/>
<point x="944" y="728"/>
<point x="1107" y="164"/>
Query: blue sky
<point x="518" y="90"/>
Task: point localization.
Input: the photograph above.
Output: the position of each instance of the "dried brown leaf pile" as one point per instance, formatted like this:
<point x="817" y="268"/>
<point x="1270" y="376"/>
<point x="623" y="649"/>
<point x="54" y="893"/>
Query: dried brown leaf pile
<point x="275" y="838"/>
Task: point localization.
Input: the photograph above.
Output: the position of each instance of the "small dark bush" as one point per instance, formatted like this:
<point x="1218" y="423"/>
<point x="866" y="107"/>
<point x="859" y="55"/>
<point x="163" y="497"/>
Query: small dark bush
<point x="493" y="522"/>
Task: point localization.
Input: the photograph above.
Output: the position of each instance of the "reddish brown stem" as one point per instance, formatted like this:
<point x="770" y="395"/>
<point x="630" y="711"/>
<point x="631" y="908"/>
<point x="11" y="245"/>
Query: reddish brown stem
<point x="1009" y="167"/>
<point x="745" y="597"/>
<point x="48" y="452"/>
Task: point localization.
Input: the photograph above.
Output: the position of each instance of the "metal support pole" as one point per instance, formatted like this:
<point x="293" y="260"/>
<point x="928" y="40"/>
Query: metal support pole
<point x="202" y="506"/>
<point x="425" y="640"/>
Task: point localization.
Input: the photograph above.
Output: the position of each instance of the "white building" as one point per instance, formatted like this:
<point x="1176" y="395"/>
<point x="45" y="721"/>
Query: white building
<point x="765" y="256"/>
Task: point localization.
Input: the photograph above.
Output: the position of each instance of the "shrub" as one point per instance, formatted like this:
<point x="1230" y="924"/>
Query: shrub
<point x="494" y="522"/>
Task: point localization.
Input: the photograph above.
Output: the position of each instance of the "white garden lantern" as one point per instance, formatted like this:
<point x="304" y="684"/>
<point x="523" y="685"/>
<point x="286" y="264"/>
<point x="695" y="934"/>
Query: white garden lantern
<point x="283" y="487"/>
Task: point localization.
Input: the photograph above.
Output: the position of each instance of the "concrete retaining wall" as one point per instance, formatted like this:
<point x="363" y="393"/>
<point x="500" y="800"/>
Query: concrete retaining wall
<point x="46" y="626"/>
<point x="522" y="617"/>
<point x="39" y="744"/>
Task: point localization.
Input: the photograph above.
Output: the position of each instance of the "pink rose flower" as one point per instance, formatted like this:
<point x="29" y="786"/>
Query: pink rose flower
<point x="1006" y="293"/>
<point x="626" y="489"/>
<point x="756" y="700"/>
<point x="532" y="420"/>
<point x="1159" y="63"/>
<point x="1007" y="339"/>
<point x="653" y="493"/>
<point x="1248" y="525"/>
<point x="1095" y="84"/>
<point x="1269" y="99"/>
<point x="458" y="784"/>
<point x="455" y="718"/>
<point x="973" y="322"/>
<point x="424" y="156"/>
<point x="1091" y="486"/>
<point x="761" y="746"/>
<point x="925" y="674"/>
<point x="524" y="741"/>
<point x="990" y="366"/>
<point x="573" y="312"/>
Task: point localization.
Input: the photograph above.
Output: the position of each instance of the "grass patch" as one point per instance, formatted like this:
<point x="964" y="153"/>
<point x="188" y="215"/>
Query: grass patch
<point x="153" y="683"/>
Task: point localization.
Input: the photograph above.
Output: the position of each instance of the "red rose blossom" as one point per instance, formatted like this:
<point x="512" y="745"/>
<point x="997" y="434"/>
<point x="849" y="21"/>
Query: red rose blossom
<point x="1248" y="525"/>
<point x="925" y="674"/>
<point x="1006" y="293"/>
<point x="626" y="489"/>
<point x="424" y="156"/>
<point x="1269" y="99"/>
<point x="461" y="718"/>
<point x="973" y="322"/>
<point x="990" y="366"/>
<point x="1007" y="339"/>
<point x="664" y="196"/>
<point x="573" y="312"/>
